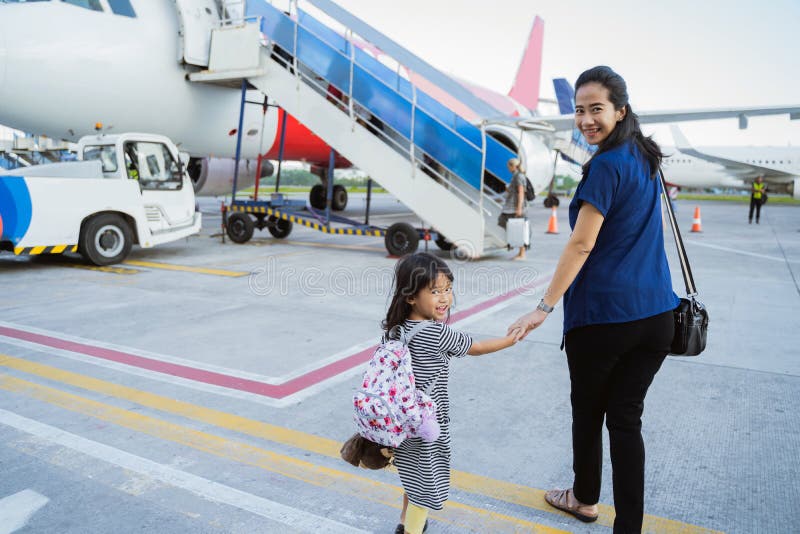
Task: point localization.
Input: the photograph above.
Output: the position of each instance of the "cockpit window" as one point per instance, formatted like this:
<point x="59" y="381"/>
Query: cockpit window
<point x="107" y="154"/>
<point x="122" y="7"/>
<point x="94" y="5"/>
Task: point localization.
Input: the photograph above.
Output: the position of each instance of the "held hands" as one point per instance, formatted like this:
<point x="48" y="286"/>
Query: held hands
<point x="522" y="326"/>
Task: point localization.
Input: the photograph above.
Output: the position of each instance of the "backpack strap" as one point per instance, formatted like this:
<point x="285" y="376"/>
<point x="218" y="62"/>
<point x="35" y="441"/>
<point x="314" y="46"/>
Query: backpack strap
<point x="406" y="337"/>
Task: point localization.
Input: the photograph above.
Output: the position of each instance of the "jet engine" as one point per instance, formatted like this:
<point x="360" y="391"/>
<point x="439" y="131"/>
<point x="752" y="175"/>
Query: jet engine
<point x="214" y="176"/>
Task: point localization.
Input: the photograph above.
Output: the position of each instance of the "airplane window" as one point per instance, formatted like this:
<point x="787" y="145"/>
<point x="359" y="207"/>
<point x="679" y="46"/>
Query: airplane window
<point x="107" y="155"/>
<point x="122" y="7"/>
<point x="94" y="5"/>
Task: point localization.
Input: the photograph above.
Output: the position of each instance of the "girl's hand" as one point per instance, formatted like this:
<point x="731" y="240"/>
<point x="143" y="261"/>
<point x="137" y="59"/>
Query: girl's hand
<point x="522" y="326"/>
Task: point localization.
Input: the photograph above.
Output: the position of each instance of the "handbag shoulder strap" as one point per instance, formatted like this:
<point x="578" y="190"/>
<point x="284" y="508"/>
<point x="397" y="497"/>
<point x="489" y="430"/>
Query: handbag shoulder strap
<point x="686" y="269"/>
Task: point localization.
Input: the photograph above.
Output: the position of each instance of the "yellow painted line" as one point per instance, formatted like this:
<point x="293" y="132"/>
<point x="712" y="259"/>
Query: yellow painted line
<point x="37" y="250"/>
<point x="262" y="257"/>
<point x="186" y="268"/>
<point x="59" y="249"/>
<point x="463" y="481"/>
<point x="106" y="269"/>
<point x="332" y="245"/>
<point x="271" y="242"/>
<point x="456" y="514"/>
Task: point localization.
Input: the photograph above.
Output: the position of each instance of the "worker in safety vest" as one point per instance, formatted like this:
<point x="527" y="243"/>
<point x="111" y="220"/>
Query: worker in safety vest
<point x="130" y="163"/>
<point x="757" y="198"/>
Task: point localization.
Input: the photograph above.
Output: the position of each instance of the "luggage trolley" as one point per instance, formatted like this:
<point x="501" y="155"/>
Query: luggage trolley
<point x="278" y="214"/>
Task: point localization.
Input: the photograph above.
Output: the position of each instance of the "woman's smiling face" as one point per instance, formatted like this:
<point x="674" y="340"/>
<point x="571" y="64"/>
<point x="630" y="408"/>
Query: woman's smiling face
<point x="595" y="115"/>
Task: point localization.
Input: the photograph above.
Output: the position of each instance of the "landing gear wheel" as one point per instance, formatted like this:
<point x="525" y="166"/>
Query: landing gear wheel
<point x="339" y="201"/>
<point x="240" y="227"/>
<point x="279" y="228"/>
<point x="106" y="239"/>
<point x="442" y="242"/>
<point x="401" y="239"/>
<point x="551" y="201"/>
<point x="317" y="197"/>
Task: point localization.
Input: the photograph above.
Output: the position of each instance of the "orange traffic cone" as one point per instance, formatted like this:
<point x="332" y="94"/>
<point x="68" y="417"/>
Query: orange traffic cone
<point x="552" y="226"/>
<point x="697" y="225"/>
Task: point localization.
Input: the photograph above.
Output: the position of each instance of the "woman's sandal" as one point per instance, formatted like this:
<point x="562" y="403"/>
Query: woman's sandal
<point x="565" y="501"/>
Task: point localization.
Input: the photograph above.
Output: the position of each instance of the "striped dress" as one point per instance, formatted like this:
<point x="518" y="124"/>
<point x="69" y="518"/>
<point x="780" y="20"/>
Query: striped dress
<point x="425" y="467"/>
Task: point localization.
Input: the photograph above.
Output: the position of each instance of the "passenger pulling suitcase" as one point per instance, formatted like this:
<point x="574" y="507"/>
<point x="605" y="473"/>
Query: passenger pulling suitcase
<point x="518" y="233"/>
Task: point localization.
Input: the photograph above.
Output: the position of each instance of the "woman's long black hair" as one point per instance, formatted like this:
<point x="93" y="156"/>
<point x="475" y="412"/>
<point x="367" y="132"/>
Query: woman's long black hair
<point x="626" y="129"/>
<point x="412" y="273"/>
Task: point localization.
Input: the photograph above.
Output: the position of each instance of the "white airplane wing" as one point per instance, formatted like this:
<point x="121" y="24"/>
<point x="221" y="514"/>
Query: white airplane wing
<point x="566" y="122"/>
<point x="735" y="166"/>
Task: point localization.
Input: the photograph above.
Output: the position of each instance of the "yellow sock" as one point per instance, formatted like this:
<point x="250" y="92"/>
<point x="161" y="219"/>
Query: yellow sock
<point x="415" y="518"/>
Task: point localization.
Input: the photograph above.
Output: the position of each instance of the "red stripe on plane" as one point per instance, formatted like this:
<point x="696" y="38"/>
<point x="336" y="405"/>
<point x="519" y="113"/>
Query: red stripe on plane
<point x="275" y="391"/>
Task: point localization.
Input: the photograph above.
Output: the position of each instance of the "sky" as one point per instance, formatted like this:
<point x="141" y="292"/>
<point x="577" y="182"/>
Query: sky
<point x="677" y="54"/>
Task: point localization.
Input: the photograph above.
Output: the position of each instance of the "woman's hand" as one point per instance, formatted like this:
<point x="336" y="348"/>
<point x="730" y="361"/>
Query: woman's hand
<point x="530" y="321"/>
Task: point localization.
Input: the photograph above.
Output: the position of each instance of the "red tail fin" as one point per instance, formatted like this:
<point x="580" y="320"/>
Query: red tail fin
<point x="526" y="85"/>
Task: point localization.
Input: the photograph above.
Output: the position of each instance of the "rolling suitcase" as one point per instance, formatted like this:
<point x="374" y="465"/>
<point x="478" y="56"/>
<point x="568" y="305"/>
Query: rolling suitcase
<point x="518" y="233"/>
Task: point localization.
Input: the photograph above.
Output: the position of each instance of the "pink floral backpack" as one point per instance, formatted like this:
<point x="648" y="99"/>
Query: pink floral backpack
<point x="389" y="408"/>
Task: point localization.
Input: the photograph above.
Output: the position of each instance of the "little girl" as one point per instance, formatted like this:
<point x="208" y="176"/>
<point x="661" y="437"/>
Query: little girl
<point x="423" y="292"/>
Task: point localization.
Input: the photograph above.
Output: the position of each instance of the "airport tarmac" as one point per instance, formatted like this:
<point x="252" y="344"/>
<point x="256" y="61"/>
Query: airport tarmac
<point x="205" y="387"/>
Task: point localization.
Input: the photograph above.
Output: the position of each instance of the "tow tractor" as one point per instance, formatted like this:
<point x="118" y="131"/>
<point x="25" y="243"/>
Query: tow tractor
<point x="124" y="189"/>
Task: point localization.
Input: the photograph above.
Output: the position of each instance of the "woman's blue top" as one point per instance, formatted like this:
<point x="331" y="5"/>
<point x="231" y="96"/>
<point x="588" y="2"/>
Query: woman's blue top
<point x="626" y="276"/>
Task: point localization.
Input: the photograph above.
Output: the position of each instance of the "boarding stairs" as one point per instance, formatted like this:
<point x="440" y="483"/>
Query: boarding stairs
<point x="346" y="87"/>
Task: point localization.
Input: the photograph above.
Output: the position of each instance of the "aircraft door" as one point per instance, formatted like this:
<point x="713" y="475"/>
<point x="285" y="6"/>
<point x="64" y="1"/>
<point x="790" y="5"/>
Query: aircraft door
<point x="167" y="194"/>
<point x="197" y="18"/>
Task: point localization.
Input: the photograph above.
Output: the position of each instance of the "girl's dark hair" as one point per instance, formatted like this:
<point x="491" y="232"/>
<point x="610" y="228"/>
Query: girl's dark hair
<point x="412" y="273"/>
<point x="628" y="128"/>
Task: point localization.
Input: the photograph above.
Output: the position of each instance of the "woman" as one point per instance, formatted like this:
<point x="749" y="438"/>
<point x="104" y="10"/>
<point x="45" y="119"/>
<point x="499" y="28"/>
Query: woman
<point x="515" y="203"/>
<point x="618" y="299"/>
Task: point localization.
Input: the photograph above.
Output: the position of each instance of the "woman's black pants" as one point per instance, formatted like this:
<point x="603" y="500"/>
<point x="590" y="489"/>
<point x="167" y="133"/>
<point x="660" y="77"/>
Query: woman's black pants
<point x="611" y="367"/>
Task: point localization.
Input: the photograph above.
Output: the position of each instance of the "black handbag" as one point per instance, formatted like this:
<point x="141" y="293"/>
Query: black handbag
<point x="691" y="317"/>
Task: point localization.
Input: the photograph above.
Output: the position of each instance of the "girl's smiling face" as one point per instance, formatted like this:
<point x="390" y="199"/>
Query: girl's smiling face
<point x="595" y="115"/>
<point x="432" y="302"/>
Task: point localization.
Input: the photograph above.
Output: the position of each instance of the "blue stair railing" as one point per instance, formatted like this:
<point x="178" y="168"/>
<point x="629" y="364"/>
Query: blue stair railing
<point x="417" y="121"/>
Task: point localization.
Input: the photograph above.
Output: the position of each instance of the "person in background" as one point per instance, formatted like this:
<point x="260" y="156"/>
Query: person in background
<point x="618" y="300"/>
<point x="515" y="203"/>
<point x="757" y="193"/>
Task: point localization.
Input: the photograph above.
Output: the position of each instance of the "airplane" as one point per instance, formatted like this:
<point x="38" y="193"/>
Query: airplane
<point x="127" y="68"/>
<point x="687" y="166"/>
<point x="732" y="166"/>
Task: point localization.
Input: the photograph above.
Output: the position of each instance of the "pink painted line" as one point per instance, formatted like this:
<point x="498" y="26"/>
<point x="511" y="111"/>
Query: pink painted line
<point x="274" y="391"/>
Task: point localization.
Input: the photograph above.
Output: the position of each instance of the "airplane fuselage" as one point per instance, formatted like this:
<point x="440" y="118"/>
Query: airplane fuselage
<point x="689" y="171"/>
<point x="77" y="67"/>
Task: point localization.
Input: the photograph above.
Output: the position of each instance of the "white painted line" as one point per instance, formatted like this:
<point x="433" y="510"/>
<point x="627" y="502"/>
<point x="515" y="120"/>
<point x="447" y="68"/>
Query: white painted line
<point x="16" y="510"/>
<point x="208" y="489"/>
<point x="742" y="252"/>
<point x="273" y="380"/>
<point x="194" y="364"/>
<point x="151" y="375"/>
<point x="220" y="390"/>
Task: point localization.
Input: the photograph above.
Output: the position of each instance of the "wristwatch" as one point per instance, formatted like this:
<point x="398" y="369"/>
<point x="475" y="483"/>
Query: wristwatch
<point x="544" y="307"/>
